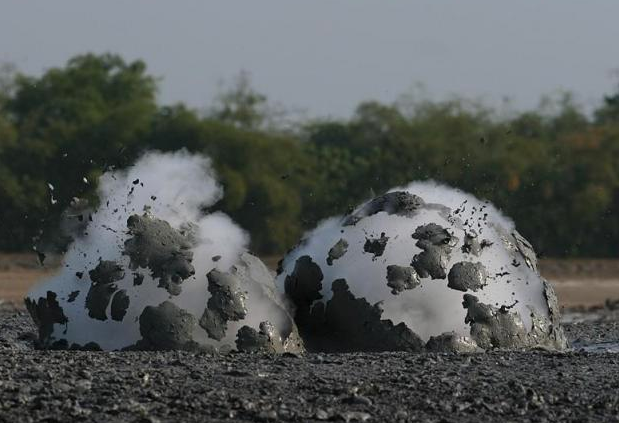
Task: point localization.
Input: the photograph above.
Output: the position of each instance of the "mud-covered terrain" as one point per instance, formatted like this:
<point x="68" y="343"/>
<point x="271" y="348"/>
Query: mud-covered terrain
<point x="536" y="386"/>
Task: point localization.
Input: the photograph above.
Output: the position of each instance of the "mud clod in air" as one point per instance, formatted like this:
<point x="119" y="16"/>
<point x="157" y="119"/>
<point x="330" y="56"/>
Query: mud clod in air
<point x="401" y="278"/>
<point x="492" y="327"/>
<point x="166" y="327"/>
<point x="119" y="306"/>
<point x="72" y="296"/>
<point x="266" y="339"/>
<point x="465" y="276"/>
<point x="437" y="244"/>
<point x="103" y="286"/>
<point x="452" y="342"/>
<point x="376" y="246"/>
<point x="400" y="203"/>
<point x="155" y="245"/>
<point x="106" y="272"/>
<point x="337" y="251"/>
<point x="138" y="278"/>
<point x="46" y="312"/>
<point x="227" y="303"/>
<point x="348" y="323"/>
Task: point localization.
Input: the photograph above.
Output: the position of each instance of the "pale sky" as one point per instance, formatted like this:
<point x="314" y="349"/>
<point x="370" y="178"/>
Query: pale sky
<point x="326" y="56"/>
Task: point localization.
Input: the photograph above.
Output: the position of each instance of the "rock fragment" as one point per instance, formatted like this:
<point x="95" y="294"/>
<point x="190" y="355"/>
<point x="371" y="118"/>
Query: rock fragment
<point x="465" y="275"/>
<point x="155" y="245"/>
<point x="401" y="278"/>
<point x="337" y="251"/>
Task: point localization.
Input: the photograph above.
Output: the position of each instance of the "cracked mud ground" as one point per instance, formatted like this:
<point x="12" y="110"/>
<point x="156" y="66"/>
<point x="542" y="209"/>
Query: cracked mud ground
<point x="179" y="386"/>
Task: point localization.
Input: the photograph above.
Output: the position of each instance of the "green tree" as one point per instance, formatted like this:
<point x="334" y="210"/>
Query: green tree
<point x="241" y="106"/>
<point x="73" y="123"/>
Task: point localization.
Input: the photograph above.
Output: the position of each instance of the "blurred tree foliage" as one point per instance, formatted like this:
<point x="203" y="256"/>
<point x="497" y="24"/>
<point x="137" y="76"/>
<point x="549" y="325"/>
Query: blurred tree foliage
<point x="554" y="170"/>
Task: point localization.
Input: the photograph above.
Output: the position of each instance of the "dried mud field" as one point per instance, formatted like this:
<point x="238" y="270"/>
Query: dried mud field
<point x="579" y="385"/>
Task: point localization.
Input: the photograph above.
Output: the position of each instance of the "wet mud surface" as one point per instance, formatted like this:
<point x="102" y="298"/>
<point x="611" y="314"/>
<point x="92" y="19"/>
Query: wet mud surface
<point x="172" y="386"/>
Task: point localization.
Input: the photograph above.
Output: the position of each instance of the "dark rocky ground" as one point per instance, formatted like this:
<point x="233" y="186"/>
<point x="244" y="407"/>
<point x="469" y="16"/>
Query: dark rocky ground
<point x="178" y="386"/>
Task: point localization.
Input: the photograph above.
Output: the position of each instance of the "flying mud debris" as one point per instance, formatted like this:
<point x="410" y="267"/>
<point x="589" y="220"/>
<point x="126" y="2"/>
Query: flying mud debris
<point x="142" y="262"/>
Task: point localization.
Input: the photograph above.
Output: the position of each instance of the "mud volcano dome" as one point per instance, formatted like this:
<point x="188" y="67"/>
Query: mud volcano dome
<point x="149" y="270"/>
<point x="423" y="266"/>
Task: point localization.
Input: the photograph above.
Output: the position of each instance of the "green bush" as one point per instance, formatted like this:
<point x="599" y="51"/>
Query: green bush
<point x="553" y="170"/>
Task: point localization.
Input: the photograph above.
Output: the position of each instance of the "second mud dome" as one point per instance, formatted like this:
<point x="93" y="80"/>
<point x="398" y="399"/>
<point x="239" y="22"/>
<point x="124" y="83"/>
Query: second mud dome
<point x="424" y="266"/>
<point x="150" y="271"/>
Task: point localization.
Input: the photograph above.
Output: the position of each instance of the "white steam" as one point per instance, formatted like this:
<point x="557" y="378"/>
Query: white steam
<point x="431" y="308"/>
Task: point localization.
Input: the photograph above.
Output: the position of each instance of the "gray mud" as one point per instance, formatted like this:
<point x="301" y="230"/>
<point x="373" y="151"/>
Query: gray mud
<point x="37" y="385"/>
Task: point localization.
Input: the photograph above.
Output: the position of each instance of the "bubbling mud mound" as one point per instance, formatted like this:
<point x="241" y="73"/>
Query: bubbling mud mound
<point x="424" y="266"/>
<point x="148" y="270"/>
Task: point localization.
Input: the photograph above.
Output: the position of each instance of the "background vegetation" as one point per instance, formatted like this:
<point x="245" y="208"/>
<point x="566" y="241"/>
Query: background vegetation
<point x="554" y="170"/>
